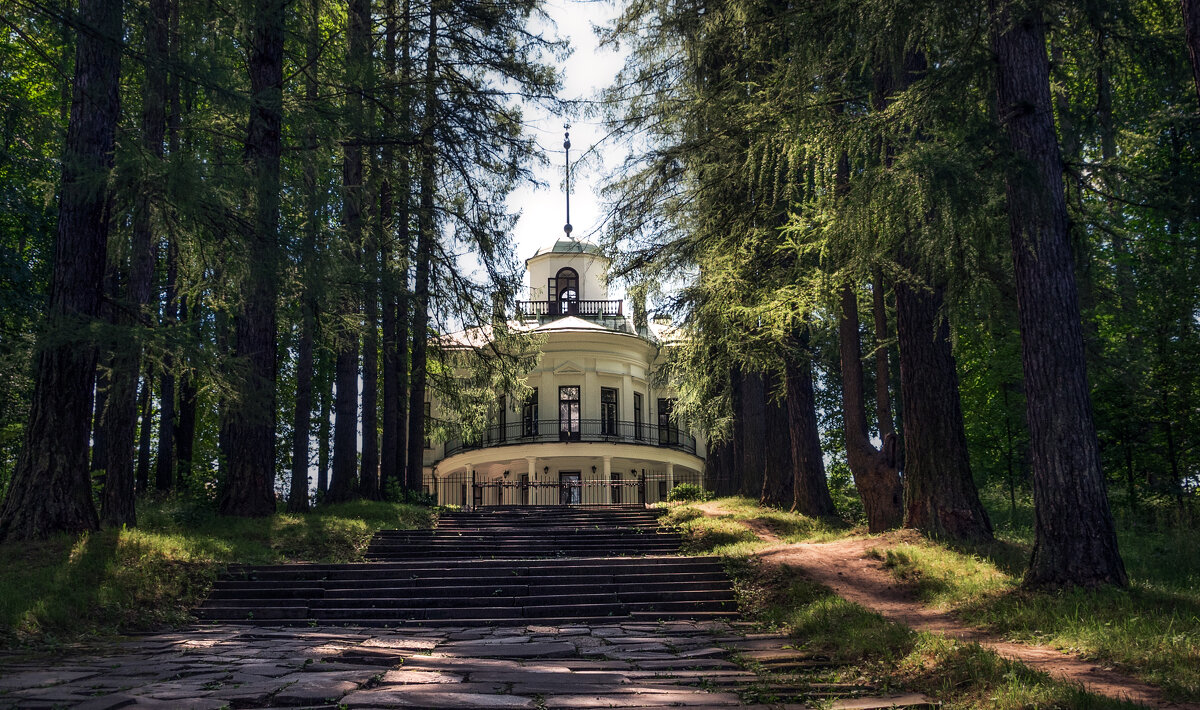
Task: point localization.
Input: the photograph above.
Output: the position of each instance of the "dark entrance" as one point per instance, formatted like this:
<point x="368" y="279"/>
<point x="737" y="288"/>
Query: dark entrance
<point x="570" y="488"/>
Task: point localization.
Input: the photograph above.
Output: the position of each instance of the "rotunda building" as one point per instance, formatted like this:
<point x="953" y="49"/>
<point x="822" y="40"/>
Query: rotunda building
<point x="594" y="430"/>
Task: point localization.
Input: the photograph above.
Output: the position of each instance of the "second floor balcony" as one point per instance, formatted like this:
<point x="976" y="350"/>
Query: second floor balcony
<point x="569" y="307"/>
<point x="570" y="430"/>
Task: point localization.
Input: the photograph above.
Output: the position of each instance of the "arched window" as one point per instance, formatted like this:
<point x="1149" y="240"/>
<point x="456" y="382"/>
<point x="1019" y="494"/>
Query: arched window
<point x="568" y="291"/>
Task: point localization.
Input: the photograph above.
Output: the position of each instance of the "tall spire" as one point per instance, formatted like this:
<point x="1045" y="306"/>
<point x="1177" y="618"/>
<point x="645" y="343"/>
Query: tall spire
<point x="567" y="147"/>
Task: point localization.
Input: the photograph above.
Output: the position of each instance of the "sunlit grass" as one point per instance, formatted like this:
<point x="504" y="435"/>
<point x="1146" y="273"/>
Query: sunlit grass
<point x="726" y="529"/>
<point x="868" y="648"/>
<point x="66" y="589"/>
<point x="1151" y="630"/>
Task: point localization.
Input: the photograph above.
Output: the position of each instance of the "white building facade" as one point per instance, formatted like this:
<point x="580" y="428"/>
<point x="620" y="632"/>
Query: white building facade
<point x="595" y="430"/>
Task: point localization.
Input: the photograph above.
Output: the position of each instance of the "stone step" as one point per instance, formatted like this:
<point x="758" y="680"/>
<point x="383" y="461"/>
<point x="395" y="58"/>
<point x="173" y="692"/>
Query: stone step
<point x="468" y="585"/>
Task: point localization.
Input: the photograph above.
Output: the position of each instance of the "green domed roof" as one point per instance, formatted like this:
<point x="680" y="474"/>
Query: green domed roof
<point x="570" y="246"/>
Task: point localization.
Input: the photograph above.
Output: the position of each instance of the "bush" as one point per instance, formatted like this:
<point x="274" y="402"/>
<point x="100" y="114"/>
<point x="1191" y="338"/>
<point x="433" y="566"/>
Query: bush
<point x="396" y="493"/>
<point x="687" y="492"/>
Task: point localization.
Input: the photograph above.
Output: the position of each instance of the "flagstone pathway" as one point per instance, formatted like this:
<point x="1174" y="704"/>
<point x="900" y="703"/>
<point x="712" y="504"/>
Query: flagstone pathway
<point x="705" y="664"/>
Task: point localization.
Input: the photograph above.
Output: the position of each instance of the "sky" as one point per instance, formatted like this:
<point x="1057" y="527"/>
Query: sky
<point x="588" y="70"/>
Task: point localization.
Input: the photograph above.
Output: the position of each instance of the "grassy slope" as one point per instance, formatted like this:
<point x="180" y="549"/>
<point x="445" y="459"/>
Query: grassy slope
<point x="66" y="590"/>
<point x="1151" y="630"/>
<point x="888" y="654"/>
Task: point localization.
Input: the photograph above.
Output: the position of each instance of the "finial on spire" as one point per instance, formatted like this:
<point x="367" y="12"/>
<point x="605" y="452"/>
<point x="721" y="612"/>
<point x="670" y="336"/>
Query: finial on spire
<point x="567" y="147"/>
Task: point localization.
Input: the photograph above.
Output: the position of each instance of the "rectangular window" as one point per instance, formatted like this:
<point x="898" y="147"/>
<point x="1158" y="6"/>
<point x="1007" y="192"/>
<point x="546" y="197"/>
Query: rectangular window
<point x="608" y="411"/>
<point x="637" y="415"/>
<point x="667" y="433"/>
<point x="501" y="418"/>
<point x="529" y="414"/>
<point x="568" y="413"/>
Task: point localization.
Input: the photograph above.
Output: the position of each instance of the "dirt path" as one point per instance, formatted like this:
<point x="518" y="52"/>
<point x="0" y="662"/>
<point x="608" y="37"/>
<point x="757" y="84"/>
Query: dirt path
<point x="843" y="566"/>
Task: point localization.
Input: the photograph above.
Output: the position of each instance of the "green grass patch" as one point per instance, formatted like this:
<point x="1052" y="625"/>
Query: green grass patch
<point x="729" y="526"/>
<point x="868" y="649"/>
<point x="1151" y="630"/>
<point x="71" y="589"/>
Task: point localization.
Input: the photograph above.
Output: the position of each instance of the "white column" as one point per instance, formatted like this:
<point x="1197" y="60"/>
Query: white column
<point x="606" y="498"/>
<point x="470" y="485"/>
<point x="670" y="477"/>
<point x="533" y="479"/>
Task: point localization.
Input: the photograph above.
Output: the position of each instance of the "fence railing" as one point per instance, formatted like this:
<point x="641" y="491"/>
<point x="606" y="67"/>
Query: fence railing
<point x="587" y="309"/>
<point x="590" y="430"/>
<point x="563" y="488"/>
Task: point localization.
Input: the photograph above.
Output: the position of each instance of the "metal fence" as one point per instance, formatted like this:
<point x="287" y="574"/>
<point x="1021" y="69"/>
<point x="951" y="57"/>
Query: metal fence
<point x="570" y="308"/>
<point x="593" y="430"/>
<point x="571" y="488"/>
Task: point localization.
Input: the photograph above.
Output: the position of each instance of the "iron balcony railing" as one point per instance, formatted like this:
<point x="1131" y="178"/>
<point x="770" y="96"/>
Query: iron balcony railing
<point x="590" y="430"/>
<point x="587" y="309"/>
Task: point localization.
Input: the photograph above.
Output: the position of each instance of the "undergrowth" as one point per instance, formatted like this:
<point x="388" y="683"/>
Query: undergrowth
<point x="66" y="590"/>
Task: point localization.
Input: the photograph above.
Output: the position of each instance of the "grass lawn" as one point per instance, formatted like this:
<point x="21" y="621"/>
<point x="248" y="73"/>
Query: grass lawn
<point x="1145" y="629"/>
<point x="1151" y="630"/>
<point x="70" y="589"/>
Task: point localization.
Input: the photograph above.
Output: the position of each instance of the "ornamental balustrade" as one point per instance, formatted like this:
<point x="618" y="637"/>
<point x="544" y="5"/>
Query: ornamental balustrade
<point x="614" y="431"/>
<point x="586" y="309"/>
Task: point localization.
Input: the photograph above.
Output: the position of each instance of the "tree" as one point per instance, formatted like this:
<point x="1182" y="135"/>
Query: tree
<point x="120" y="415"/>
<point x="249" y="484"/>
<point x="1075" y="540"/>
<point x="50" y="491"/>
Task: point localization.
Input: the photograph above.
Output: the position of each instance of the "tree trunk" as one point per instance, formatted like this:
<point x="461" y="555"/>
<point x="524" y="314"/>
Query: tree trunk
<point x="249" y="486"/>
<point x="875" y="471"/>
<point x="1191" y="32"/>
<point x="369" y="474"/>
<point x="50" y="490"/>
<point x="390" y="472"/>
<point x="302" y="418"/>
<point x="344" y="484"/>
<point x="144" y="432"/>
<point x="164" y="465"/>
<point x="940" y="498"/>
<point x="185" y="427"/>
<point x="883" y="395"/>
<point x="810" y="487"/>
<point x="117" y="500"/>
<point x="1075" y="540"/>
<point x="778" y="470"/>
<point x="426" y="234"/>
<point x="323" y="432"/>
<point x="751" y="463"/>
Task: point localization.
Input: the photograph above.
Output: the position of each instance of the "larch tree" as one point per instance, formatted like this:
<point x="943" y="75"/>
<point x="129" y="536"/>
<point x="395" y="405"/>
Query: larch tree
<point x="1075" y="538"/>
<point x="50" y="491"/>
<point x="248" y="488"/>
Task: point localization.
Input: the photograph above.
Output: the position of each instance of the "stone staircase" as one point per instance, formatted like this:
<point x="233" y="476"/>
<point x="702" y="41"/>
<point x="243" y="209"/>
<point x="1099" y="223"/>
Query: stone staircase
<point x="500" y="566"/>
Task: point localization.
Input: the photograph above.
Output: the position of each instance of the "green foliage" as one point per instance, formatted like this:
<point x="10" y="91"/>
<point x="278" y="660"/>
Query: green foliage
<point x="129" y="580"/>
<point x="687" y="492"/>
<point x="396" y="493"/>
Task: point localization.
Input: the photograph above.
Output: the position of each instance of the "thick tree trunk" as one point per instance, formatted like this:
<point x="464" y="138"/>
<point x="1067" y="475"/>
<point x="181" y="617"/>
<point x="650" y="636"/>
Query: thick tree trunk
<point x="1075" y="540"/>
<point x="875" y="471"/>
<point x="426" y="233"/>
<point x="752" y="459"/>
<point x="810" y="487"/>
<point x="778" y="472"/>
<point x="249" y="485"/>
<point x="1191" y="32"/>
<point x="369" y="475"/>
<point x="50" y="490"/>
<point x="940" y="498"/>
